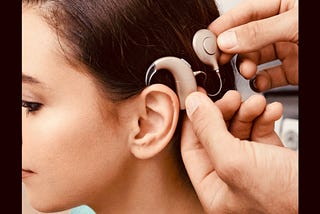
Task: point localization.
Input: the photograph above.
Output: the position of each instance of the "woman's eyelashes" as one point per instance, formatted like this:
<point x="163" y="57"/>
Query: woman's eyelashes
<point x="31" y="106"/>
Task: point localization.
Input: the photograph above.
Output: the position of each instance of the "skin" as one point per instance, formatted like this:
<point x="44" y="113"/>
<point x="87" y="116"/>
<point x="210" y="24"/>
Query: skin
<point x="81" y="148"/>
<point x="64" y="142"/>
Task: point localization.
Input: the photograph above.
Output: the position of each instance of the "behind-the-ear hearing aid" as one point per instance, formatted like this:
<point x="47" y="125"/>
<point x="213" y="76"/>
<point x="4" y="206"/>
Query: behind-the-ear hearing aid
<point x="182" y="73"/>
<point x="204" y="44"/>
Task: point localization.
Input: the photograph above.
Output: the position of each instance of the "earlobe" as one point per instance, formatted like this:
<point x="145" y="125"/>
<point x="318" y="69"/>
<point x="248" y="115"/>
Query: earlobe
<point x="157" y="121"/>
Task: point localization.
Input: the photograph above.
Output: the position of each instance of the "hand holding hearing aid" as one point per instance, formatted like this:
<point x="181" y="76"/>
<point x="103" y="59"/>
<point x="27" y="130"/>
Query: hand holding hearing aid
<point x="216" y="157"/>
<point x="244" y="170"/>
<point x="240" y="170"/>
<point x="261" y="31"/>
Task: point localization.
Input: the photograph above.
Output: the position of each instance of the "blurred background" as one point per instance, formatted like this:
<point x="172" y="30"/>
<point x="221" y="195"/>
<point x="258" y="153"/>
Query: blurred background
<point x="286" y="126"/>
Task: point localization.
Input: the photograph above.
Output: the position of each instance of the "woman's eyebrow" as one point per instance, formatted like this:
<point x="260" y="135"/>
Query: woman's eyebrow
<point x="30" y="80"/>
<point x="26" y="79"/>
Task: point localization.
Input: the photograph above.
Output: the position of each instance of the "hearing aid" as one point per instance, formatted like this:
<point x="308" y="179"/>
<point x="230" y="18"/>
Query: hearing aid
<point x="182" y="73"/>
<point x="204" y="45"/>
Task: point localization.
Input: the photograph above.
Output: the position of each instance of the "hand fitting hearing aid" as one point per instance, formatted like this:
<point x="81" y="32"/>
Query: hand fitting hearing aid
<point x="204" y="44"/>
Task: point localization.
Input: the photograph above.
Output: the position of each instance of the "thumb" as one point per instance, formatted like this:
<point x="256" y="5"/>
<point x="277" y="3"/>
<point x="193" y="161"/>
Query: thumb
<point x="210" y="128"/>
<point x="257" y="34"/>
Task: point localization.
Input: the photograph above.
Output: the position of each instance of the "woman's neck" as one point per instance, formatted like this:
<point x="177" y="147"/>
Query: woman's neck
<point x="152" y="186"/>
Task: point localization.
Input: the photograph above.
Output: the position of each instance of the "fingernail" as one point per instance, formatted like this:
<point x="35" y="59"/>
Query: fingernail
<point x="192" y="103"/>
<point x="228" y="40"/>
<point x="253" y="85"/>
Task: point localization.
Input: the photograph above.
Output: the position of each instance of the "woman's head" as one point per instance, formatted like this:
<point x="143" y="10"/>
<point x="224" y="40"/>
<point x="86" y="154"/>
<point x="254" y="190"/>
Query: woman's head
<point x="117" y="40"/>
<point x="89" y="114"/>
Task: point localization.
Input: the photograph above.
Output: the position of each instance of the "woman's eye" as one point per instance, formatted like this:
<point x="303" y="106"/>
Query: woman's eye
<point x="31" y="106"/>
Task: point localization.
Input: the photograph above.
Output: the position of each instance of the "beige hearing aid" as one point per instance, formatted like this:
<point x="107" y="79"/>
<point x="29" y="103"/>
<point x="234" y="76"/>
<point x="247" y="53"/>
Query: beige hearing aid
<point x="204" y="44"/>
<point x="182" y="73"/>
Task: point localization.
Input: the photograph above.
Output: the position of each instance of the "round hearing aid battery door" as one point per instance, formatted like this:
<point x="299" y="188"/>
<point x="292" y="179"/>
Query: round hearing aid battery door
<point x="209" y="45"/>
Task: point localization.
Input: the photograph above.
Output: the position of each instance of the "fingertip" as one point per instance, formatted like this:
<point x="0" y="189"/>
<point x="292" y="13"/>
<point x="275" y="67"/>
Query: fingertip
<point x="261" y="82"/>
<point x="258" y="99"/>
<point x="272" y="113"/>
<point x="229" y="103"/>
<point x="201" y="110"/>
<point x="228" y="41"/>
<point x="192" y="103"/>
<point x="232" y="99"/>
<point x="194" y="100"/>
<point x="275" y="109"/>
<point x="213" y="26"/>
<point x="224" y="58"/>
<point x="247" y="68"/>
<point x="233" y="94"/>
<point x="251" y="108"/>
<point x="202" y="90"/>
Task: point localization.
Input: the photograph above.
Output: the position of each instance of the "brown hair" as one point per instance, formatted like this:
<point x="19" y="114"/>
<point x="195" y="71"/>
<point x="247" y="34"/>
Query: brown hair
<point x="117" y="40"/>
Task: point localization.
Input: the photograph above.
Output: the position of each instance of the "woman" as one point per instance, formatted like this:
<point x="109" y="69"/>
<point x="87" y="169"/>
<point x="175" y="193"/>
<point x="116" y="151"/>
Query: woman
<point x="93" y="133"/>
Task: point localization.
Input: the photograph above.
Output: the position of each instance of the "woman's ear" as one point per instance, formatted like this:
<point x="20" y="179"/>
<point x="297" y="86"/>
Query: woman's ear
<point x="157" y="121"/>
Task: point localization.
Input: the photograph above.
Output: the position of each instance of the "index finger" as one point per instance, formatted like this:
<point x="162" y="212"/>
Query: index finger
<point x="249" y="10"/>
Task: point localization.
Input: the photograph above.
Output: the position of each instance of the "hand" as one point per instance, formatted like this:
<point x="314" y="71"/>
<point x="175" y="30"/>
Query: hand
<point x="252" y="119"/>
<point x="261" y="31"/>
<point x="234" y="175"/>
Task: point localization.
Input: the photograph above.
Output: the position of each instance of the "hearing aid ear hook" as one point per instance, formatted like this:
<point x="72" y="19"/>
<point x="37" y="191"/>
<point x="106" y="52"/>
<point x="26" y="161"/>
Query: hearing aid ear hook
<point x="205" y="46"/>
<point x="182" y="73"/>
